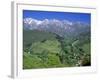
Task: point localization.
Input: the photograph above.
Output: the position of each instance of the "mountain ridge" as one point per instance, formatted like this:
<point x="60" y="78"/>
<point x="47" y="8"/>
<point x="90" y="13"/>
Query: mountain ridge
<point x="60" y="27"/>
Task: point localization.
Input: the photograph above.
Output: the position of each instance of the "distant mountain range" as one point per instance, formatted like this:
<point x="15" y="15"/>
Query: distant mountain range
<point x="63" y="28"/>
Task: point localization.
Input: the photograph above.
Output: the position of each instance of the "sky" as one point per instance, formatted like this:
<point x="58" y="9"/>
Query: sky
<point x="70" y="16"/>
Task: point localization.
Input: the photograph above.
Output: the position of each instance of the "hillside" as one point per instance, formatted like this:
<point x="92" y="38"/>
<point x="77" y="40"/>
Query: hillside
<point x="31" y="36"/>
<point x="44" y="49"/>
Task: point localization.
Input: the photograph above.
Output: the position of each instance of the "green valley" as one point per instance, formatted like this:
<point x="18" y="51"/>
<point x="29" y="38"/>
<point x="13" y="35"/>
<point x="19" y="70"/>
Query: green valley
<point x="44" y="49"/>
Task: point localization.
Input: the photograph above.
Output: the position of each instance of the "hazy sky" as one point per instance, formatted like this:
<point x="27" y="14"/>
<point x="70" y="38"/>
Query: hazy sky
<point x="71" y="16"/>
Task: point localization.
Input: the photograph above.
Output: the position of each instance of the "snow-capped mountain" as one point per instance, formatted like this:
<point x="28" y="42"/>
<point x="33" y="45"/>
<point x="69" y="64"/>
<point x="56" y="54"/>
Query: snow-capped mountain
<point x="60" y="27"/>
